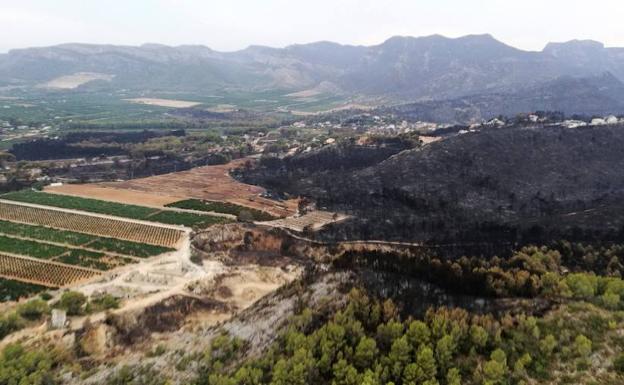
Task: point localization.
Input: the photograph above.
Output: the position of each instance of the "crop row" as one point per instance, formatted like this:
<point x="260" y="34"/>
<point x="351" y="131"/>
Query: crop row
<point x="30" y="248"/>
<point x="107" y="227"/>
<point x="79" y="239"/>
<point x="79" y="257"/>
<point x="113" y="208"/>
<point x="222" y="207"/>
<point x="42" y="272"/>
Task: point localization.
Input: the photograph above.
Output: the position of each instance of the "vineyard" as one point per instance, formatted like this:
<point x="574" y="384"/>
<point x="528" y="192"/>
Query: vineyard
<point x="107" y="227"/>
<point x="115" y="209"/>
<point x="30" y="248"/>
<point x="71" y="238"/>
<point x="48" y="247"/>
<point x="45" y="273"/>
<point x="222" y="207"/>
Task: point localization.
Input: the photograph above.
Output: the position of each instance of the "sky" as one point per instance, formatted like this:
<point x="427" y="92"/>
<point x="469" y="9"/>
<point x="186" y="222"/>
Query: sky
<point x="229" y="25"/>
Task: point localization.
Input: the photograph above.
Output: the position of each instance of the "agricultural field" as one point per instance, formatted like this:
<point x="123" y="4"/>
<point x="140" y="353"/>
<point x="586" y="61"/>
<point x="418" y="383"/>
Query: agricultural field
<point x="221" y="207"/>
<point x="30" y="248"/>
<point x="93" y="260"/>
<point x="50" y="240"/>
<point x="70" y="255"/>
<point x="72" y="238"/>
<point x="11" y="290"/>
<point x="169" y="103"/>
<point x="112" y="208"/>
<point x="44" y="273"/>
<point x="208" y="183"/>
<point x="51" y="248"/>
<point x="94" y="225"/>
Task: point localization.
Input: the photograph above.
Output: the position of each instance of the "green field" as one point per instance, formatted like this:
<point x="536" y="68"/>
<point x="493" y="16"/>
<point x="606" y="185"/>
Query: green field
<point x="77" y="239"/>
<point x="13" y="290"/>
<point x="112" y="208"/>
<point x="30" y="248"/>
<point x="93" y="260"/>
<point x="221" y="207"/>
<point x="134" y="249"/>
<point x="186" y="219"/>
<point x="68" y="108"/>
<point x="70" y="256"/>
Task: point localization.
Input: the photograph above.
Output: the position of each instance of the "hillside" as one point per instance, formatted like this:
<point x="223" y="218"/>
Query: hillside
<point x="515" y="177"/>
<point x="601" y="94"/>
<point x="401" y="69"/>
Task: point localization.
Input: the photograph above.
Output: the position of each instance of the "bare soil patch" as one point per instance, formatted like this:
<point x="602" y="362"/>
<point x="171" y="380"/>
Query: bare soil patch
<point x="211" y="183"/>
<point x="113" y="194"/>
<point x="69" y="82"/>
<point x="171" y="103"/>
<point x="429" y="139"/>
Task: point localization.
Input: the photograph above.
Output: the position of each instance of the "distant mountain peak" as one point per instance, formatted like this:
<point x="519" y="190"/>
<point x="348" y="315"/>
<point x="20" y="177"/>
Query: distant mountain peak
<point x="573" y="47"/>
<point x="401" y="69"/>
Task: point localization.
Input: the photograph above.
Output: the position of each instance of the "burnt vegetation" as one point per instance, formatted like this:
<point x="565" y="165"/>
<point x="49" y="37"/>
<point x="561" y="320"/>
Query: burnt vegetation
<point x="507" y="185"/>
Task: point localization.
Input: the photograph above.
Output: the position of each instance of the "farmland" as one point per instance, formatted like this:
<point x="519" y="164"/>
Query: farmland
<point x="208" y="183"/>
<point x="221" y="207"/>
<point x="107" y="227"/>
<point x="12" y="290"/>
<point x="56" y="240"/>
<point x="93" y="260"/>
<point x="43" y="273"/>
<point x="70" y="255"/>
<point x="72" y="238"/>
<point x="113" y="208"/>
<point x="70" y="248"/>
<point x="31" y="248"/>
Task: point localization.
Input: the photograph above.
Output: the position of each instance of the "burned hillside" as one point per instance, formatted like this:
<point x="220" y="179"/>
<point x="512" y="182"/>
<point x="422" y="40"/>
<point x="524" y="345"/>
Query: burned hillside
<point x="509" y="183"/>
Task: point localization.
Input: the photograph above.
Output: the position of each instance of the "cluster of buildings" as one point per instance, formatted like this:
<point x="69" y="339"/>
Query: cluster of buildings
<point x="9" y="131"/>
<point x="374" y="124"/>
<point x="607" y="120"/>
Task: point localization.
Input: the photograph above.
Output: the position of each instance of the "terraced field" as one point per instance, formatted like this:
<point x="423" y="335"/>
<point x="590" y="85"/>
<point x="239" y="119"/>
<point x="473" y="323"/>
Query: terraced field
<point x="222" y="207"/>
<point x="30" y="248"/>
<point x="72" y="238"/>
<point x="52" y="241"/>
<point x="115" y="209"/>
<point x="93" y="225"/>
<point x="44" y="273"/>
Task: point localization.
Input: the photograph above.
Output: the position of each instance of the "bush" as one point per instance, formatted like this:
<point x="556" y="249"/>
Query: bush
<point x="45" y="296"/>
<point x="10" y="323"/>
<point x="32" y="367"/>
<point x="618" y="363"/>
<point x="72" y="302"/>
<point x="101" y="303"/>
<point x="33" y="309"/>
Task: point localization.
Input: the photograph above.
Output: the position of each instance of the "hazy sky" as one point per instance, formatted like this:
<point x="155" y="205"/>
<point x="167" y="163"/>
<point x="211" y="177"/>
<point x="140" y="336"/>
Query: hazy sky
<point x="234" y="24"/>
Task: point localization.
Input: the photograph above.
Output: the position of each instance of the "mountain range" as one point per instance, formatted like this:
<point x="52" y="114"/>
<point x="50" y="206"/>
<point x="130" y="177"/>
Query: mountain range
<point x="476" y="71"/>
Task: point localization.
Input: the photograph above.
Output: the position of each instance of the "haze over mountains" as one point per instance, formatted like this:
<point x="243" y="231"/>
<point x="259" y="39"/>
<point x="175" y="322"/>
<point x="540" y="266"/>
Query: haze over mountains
<point x="475" y="75"/>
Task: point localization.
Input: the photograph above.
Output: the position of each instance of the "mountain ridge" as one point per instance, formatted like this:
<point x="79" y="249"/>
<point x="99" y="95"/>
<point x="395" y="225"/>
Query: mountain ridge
<point x="401" y="69"/>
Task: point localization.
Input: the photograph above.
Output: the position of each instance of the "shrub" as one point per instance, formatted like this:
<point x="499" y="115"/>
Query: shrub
<point x="33" y="309"/>
<point x="101" y="303"/>
<point x="618" y="363"/>
<point x="45" y="296"/>
<point x="72" y="302"/>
